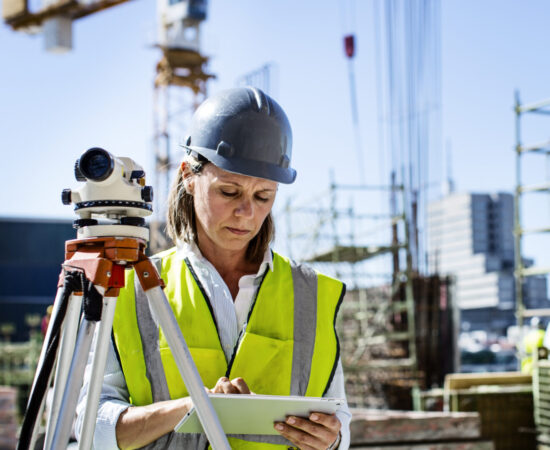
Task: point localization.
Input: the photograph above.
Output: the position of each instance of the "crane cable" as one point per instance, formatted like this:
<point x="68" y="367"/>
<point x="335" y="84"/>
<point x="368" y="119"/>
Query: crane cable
<point x="348" y="28"/>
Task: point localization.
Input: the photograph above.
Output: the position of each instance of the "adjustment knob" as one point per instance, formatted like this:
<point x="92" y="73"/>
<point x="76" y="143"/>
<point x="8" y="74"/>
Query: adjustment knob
<point x="77" y="173"/>
<point x="66" y="196"/>
<point x="134" y="221"/>
<point x="80" y="223"/>
<point x="137" y="174"/>
<point x="147" y="194"/>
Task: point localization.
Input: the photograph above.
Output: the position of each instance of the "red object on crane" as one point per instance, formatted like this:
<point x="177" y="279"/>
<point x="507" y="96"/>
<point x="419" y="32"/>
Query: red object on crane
<point x="349" y="45"/>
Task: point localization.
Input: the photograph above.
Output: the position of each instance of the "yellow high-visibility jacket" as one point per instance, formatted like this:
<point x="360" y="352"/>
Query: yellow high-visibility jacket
<point x="288" y="346"/>
<point x="532" y="341"/>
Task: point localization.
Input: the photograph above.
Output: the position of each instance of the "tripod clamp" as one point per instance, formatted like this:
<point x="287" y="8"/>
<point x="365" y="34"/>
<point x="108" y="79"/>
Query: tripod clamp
<point x="103" y="260"/>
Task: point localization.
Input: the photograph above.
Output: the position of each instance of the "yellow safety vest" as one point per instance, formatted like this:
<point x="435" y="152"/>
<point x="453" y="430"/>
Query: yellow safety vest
<point x="532" y="341"/>
<point x="289" y="345"/>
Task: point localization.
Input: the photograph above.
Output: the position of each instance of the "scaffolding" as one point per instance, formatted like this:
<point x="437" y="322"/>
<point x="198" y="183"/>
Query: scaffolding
<point x="522" y="225"/>
<point x="377" y="319"/>
<point x="264" y="78"/>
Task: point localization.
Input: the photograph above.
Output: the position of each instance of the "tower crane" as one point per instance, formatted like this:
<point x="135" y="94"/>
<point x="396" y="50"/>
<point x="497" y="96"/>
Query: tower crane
<point x="180" y="81"/>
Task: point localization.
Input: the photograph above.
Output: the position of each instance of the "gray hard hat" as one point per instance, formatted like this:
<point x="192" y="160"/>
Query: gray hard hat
<point x="243" y="130"/>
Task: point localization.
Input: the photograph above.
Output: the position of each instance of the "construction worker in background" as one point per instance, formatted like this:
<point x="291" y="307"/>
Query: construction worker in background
<point x="45" y="322"/>
<point x="533" y="340"/>
<point x="254" y="320"/>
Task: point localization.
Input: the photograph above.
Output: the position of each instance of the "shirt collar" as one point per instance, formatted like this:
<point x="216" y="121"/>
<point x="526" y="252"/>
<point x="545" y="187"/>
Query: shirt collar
<point x="185" y="249"/>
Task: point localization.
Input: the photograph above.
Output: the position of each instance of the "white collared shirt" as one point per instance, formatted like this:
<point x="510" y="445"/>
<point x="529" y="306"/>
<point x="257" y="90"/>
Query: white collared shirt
<point x="230" y="317"/>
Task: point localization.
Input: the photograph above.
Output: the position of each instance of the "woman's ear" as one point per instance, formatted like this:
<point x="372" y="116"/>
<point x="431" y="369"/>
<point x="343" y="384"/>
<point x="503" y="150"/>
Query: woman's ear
<point x="187" y="178"/>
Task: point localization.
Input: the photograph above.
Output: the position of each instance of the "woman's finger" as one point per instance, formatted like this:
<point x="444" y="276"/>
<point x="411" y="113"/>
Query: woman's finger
<point x="306" y="433"/>
<point x="328" y="420"/>
<point x="299" y="437"/>
<point x="235" y="386"/>
<point x="217" y="388"/>
<point x="318" y="431"/>
<point x="241" y="385"/>
<point x="229" y="388"/>
<point x="224" y="386"/>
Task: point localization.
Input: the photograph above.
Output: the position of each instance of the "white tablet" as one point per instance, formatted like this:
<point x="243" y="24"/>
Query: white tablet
<point x="256" y="414"/>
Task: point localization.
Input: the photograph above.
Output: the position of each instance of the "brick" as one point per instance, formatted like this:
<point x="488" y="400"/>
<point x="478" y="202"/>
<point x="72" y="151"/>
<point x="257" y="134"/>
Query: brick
<point x="375" y="426"/>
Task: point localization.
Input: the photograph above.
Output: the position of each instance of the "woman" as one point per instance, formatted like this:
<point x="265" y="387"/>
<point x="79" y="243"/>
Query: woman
<point x="253" y="320"/>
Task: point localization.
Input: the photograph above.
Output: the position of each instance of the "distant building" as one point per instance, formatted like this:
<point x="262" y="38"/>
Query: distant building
<point x="31" y="253"/>
<point x="471" y="237"/>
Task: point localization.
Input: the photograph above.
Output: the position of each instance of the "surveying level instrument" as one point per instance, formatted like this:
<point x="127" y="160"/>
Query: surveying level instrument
<point x="111" y="236"/>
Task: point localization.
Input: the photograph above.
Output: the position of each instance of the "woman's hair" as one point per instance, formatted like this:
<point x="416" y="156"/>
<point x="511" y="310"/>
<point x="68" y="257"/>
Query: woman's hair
<point x="181" y="220"/>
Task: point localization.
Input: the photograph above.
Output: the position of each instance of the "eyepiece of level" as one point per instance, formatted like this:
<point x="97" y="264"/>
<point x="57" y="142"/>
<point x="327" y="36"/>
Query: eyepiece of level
<point x="96" y="164"/>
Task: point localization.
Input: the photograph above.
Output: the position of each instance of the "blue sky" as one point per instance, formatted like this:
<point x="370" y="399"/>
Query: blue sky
<point x="53" y="107"/>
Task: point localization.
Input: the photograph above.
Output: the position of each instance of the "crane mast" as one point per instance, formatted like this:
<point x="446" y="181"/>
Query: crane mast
<point x="180" y="86"/>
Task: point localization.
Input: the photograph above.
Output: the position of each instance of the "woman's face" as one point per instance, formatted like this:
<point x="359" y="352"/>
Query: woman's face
<point x="230" y="208"/>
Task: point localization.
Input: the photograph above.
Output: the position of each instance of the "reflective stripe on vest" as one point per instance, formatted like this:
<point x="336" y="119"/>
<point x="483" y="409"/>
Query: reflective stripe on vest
<point x="289" y="327"/>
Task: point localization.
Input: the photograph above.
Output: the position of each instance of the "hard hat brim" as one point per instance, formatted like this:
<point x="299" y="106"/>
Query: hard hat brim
<point x="241" y="166"/>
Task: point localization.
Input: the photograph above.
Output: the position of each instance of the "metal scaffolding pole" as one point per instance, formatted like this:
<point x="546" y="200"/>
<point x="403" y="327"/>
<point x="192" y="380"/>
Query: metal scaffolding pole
<point x="522" y="272"/>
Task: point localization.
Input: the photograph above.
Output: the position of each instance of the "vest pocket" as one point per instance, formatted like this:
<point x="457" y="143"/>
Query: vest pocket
<point x="210" y="363"/>
<point x="264" y="363"/>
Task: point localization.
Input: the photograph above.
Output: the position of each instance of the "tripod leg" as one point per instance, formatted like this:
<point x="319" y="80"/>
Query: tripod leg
<point x="207" y="415"/>
<point x="74" y="383"/>
<point x="47" y="338"/>
<point x="40" y="414"/>
<point x="98" y="369"/>
<point x="64" y="355"/>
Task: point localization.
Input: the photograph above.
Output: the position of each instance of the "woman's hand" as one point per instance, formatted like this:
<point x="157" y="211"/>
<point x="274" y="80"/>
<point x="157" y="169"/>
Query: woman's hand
<point x="140" y="425"/>
<point x="320" y="431"/>
<point x="226" y="386"/>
